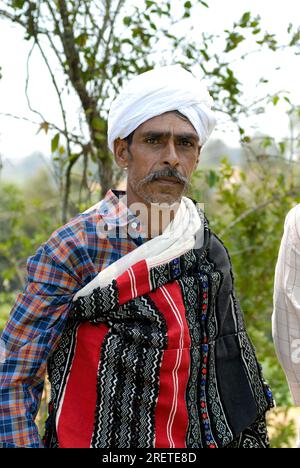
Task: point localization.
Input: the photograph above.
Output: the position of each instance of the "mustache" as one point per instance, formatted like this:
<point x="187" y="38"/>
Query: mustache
<point x="168" y="172"/>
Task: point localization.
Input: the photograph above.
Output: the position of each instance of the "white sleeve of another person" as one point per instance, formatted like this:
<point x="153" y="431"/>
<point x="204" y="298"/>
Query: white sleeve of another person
<point x="286" y="312"/>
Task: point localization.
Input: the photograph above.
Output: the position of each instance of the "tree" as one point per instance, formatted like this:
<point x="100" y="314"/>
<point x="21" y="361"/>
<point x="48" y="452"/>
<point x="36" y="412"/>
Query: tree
<point x="94" y="58"/>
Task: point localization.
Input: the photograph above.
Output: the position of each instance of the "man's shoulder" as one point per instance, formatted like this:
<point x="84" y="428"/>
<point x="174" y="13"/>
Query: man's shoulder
<point x="293" y="214"/>
<point x="292" y="223"/>
<point x="217" y="247"/>
<point x="80" y="231"/>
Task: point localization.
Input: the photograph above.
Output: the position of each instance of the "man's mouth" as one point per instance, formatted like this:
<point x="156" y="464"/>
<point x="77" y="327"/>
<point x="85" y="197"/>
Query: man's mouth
<point x="168" y="180"/>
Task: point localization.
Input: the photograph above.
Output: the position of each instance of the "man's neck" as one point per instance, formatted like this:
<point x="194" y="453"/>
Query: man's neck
<point x="154" y="217"/>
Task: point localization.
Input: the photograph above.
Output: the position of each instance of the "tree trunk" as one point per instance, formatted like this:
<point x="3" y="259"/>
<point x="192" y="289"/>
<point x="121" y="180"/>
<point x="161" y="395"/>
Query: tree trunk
<point x="106" y="175"/>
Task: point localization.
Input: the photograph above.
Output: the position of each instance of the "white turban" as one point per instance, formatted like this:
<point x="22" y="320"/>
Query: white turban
<point x="158" y="91"/>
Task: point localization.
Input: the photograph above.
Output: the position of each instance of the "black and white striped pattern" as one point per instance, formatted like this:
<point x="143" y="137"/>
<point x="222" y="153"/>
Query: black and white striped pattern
<point x="128" y="378"/>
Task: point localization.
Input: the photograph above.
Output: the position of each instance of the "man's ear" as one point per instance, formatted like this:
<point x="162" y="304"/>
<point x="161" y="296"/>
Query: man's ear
<point x="121" y="152"/>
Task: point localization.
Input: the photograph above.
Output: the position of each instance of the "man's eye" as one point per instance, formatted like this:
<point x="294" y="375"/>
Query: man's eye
<point x="152" y="140"/>
<point x="186" y="143"/>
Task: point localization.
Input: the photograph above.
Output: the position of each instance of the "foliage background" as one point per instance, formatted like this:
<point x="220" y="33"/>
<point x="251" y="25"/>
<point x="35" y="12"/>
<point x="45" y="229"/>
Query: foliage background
<point x="245" y="201"/>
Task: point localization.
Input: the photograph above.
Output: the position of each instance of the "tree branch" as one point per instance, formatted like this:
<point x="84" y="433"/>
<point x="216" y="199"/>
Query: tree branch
<point x="74" y="138"/>
<point x="13" y="18"/>
<point x="73" y="59"/>
<point x="67" y="188"/>
<point x="253" y="210"/>
<point x="63" y="112"/>
<point x="27" y="85"/>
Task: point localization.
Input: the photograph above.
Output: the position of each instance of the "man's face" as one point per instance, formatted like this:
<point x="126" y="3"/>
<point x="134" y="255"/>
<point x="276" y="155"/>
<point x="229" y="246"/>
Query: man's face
<point x="160" y="160"/>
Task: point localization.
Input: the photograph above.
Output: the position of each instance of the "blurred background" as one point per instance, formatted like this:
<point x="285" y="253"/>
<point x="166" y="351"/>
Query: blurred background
<point x="62" y="63"/>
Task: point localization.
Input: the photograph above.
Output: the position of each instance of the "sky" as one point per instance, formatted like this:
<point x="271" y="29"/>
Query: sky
<point x="19" y="138"/>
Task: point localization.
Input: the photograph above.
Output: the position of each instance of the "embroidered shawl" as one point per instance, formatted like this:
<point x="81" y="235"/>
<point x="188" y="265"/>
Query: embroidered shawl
<point x="159" y="358"/>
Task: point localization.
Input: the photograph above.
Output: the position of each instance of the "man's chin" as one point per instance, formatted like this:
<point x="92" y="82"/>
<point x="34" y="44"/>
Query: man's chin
<point x="166" y="198"/>
<point x="158" y="193"/>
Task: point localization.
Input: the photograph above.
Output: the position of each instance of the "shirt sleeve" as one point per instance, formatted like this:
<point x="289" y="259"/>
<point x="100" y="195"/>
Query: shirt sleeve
<point x="286" y="300"/>
<point x="33" y="330"/>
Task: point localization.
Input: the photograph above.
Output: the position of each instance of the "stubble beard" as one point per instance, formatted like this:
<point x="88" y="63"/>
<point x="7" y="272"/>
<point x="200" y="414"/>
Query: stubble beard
<point x="144" y="192"/>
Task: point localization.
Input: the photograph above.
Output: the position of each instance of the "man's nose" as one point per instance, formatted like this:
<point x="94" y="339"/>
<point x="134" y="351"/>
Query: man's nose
<point x="170" y="155"/>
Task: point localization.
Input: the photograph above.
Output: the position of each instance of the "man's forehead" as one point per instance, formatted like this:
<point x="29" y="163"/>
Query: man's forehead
<point x="168" y="134"/>
<point x="168" y="123"/>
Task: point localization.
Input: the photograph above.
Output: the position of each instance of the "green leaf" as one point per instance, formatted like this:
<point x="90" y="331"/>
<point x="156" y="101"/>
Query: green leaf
<point x="55" y="143"/>
<point x="149" y="4"/>
<point x="296" y="39"/>
<point x="212" y="178"/>
<point x="243" y="176"/>
<point x="81" y="40"/>
<point x="282" y="147"/>
<point x="275" y="100"/>
<point x="99" y="124"/>
<point x="234" y="40"/>
<point x="93" y="157"/>
<point x="267" y="142"/>
<point x="189" y="54"/>
<point x="127" y="21"/>
<point x="18" y="4"/>
<point x="246" y="139"/>
<point x="188" y="5"/>
<point x="245" y="18"/>
<point x="100" y="136"/>
<point x="205" y="54"/>
<point x="281" y="179"/>
<point x="73" y="157"/>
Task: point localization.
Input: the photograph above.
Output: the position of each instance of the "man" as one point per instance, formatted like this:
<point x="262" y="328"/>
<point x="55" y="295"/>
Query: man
<point x="132" y="303"/>
<point x="286" y="314"/>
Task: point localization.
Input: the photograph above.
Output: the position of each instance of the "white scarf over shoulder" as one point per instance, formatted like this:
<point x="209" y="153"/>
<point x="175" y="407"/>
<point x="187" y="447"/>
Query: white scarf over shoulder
<point x="181" y="235"/>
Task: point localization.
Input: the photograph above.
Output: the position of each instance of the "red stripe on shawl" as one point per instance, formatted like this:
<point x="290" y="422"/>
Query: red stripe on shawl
<point x="171" y="417"/>
<point x="136" y="277"/>
<point x="76" y="422"/>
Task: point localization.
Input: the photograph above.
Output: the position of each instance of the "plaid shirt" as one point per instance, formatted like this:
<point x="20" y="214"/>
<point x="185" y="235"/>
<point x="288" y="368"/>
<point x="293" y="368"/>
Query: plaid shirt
<point x="70" y="259"/>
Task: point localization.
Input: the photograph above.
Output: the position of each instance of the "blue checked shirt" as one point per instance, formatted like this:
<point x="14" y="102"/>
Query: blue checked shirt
<point x="71" y="258"/>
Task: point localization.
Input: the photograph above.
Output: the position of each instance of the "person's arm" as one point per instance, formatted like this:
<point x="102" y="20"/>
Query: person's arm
<point x="286" y="314"/>
<point x="33" y="330"/>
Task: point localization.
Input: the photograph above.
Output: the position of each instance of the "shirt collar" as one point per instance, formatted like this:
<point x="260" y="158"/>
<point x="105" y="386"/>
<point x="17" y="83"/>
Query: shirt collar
<point x="115" y="212"/>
